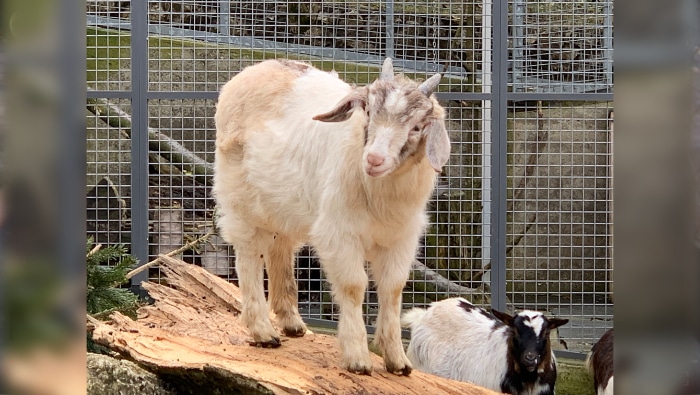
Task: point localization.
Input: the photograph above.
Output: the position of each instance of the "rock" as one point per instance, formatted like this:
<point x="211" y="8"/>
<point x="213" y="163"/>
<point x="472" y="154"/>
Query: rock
<point x="107" y="375"/>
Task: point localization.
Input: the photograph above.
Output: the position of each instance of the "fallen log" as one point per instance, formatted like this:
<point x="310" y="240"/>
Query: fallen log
<point x="158" y="142"/>
<point x="192" y="334"/>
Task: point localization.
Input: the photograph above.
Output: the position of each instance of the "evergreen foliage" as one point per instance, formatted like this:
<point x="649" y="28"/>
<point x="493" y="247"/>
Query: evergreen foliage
<point x="106" y="271"/>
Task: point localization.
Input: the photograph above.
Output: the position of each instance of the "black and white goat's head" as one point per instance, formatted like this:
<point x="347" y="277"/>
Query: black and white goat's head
<point x="529" y="346"/>
<point x="403" y="122"/>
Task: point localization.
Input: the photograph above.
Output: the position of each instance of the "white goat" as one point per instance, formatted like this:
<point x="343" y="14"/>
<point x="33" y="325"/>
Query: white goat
<point x="457" y="340"/>
<point x="295" y="162"/>
<point x="600" y="364"/>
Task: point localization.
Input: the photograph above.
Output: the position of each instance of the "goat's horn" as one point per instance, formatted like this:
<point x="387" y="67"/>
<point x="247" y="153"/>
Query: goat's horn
<point x="387" y="70"/>
<point x="429" y="85"/>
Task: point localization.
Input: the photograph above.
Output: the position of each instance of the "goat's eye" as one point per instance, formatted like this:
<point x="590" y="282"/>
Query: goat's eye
<point x="416" y="129"/>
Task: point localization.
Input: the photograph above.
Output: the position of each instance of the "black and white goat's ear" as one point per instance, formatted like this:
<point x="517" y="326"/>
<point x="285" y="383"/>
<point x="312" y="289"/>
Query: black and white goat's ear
<point x="505" y="317"/>
<point x="345" y="107"/>
<point x="437" y="144"/>
<point x="556" y="322"/>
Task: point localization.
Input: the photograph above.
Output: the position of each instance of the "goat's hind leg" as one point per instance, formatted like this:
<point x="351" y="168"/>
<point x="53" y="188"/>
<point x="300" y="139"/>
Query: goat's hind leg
<point x="250" y="258"/>
<point x="283" y="291"/>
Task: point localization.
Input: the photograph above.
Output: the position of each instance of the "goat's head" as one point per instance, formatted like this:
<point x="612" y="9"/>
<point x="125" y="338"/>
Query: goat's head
<point x="530" y="347"/>
<point x="403" y="120"/>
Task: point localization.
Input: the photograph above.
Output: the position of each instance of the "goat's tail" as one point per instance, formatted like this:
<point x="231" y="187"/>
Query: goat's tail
<point x="412" y="317"/>
<point x="588" y="364"/>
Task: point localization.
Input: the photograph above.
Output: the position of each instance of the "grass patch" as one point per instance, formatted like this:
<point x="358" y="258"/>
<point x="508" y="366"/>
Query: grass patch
<point x="109" y="52"/>
<point x="106" y="49"/>
<point x="573" y="378"/>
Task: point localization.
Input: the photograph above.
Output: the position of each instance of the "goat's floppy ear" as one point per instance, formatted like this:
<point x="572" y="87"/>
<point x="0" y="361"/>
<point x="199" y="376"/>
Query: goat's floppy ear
<point x="505" y="317"/>
<point x="437" y="144"/>
<point x="556" y="322"/>
<point x="345" y="107"/>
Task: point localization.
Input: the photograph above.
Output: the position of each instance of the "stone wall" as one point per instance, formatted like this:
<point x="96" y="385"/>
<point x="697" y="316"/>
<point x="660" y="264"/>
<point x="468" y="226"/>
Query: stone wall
<point x="560" y="210"/>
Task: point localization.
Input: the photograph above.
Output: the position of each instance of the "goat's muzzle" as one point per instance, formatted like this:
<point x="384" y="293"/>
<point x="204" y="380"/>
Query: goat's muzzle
<point x="529" y="361"/>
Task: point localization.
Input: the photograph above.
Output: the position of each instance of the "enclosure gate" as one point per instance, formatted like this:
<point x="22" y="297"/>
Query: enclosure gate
<point x="522" y="215"/>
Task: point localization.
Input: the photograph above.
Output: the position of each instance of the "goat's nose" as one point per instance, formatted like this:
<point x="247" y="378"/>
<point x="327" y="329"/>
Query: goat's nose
<point x="375" y="159"/>
<point x="530" y="357"/>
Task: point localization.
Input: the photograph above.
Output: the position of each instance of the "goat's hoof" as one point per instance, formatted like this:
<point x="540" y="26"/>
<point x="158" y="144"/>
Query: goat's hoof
<point x="294" y="332"/>
<point x="400" y="371"/>
<point x="360" y="370"/>
<point x="272" y="343"/>
<point x="406" y="371"/>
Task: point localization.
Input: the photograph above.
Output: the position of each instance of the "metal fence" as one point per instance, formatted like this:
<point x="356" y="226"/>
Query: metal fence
<point x="522" y="216"/>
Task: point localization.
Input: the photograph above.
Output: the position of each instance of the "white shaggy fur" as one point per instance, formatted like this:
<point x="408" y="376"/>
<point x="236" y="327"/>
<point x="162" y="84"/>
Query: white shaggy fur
<point x="441" y="334"/>
<point x="607" y="388"/>
<point x="303" y="157"/>
<point x="456" y="340"/>
<point x="536" y="321"/>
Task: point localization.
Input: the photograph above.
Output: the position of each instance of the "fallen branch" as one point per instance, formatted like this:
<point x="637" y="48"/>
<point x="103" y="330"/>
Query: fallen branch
<point x="94" y="250"/>
<point x="180" y="250"/>
<point x="442" y="284"/>
<point x="92" y="322"/>
<point x="158" y="142"/>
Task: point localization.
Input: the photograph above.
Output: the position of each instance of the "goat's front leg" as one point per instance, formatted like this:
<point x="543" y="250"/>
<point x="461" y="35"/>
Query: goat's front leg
<point x="344" y="266"/>
<point x="390" y="271"/>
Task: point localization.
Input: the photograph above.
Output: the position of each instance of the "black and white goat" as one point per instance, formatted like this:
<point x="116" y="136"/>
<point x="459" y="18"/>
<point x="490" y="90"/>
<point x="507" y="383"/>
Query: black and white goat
<point x="600" y="364"/>
<point x="457" y="340"/>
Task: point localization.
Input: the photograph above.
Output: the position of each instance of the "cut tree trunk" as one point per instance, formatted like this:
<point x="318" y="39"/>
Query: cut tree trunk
<point x="192" y="334"/>
<point x="167" y="226"/>
<point x="214" y="255"/>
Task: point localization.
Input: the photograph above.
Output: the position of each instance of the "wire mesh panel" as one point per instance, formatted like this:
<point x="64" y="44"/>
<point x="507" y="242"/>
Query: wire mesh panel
<point x="561" y="46"/>
<point x="453" y="245"/>
<point x="442" y="36"/>
<point x="108" y="45"/>
<point x="181" y="207"/>
<point x="560" y="214"/>
<point x="558" y="180"/>
<point x="108" y="171"/>
<point x="183" y="54"/>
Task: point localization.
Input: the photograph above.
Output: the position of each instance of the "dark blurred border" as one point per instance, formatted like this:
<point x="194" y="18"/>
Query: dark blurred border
<point x="42" y="214"/>
<point x="657" y="213"/>
<point x="42" y="197"/>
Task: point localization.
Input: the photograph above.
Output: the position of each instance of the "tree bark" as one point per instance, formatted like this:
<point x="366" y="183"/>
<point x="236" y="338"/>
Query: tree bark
<point x="192" y="334"/>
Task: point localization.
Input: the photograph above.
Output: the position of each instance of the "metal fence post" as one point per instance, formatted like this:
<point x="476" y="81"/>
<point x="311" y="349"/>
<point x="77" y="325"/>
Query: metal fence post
<point x="390" y="29"/>
<point x="499" y="138"/>
<point x="139" y="138"/>
<point x="224" y="17"/>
